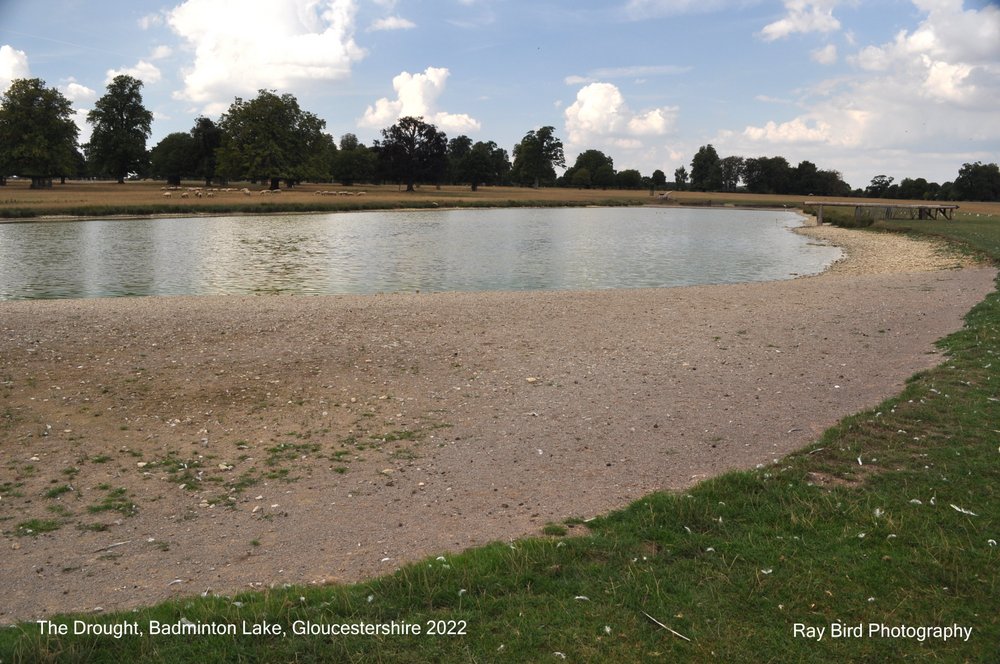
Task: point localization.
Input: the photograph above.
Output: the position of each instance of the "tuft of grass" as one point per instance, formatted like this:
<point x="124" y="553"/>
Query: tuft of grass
<point x="116" y="500"/>
<point x="35" y="527"/>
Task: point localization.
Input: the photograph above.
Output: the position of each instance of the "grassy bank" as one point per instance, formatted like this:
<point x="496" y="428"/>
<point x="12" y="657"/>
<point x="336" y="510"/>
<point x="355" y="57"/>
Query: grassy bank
<point x="887" y="519"/>
<point x="106" y="199"/>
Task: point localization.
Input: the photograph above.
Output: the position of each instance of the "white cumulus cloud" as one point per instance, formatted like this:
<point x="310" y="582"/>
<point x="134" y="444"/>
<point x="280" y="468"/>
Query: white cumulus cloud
<point x="145" y="71"/>
<point x="13" y="65"/>
<point x="803" y="16"/>
<point x="600" y="119"/>
<point x="600" y="114"/>
<point x="77" y="93"/>
<point x="416" y="95"/>
<point x="241" y="46"/>
<point x="392" y="23"/>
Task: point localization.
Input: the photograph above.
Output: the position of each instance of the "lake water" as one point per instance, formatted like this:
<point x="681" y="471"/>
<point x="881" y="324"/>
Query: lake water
<point x="370" y="252"/>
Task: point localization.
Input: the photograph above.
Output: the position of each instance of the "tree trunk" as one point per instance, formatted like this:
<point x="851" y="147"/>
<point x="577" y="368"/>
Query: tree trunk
<point x="121" y="179"/>
<point x="3" y="181"/>
<point x="275" y="184"/>
<point x="40" y="182"/>
<point x="475" y="186"/>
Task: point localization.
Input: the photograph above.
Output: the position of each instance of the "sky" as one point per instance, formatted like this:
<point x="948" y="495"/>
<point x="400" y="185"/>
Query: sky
<point x="905" y="88"/>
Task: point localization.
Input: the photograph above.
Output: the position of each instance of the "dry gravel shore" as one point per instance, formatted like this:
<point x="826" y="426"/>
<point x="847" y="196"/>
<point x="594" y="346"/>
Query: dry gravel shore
<point x="215" y="444"/>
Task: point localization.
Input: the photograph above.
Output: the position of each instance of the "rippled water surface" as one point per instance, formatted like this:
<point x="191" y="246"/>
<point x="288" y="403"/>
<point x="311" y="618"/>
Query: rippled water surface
<point x="370" y="252"/>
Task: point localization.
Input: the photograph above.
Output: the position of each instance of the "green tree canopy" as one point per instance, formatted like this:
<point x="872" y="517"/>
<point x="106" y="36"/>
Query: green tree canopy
<point x="768" y="175"/>
<point x="978" y="182"/>
<point x="658" y="179"/>
<point x="175" y="157"/>
<point x="536" y="157"/>
<point x="706" y="170"/>
<point x="354" y="161"/>
<point x="592" y="162"/>
<point x="581" y="178"/>
<point x="413" y="150"/>
<point x="681" y="178"/>
<point x="879" y="186"/>
<point x="604" y="176"/>
<point x="37" y="133"/>
<point x="121" y="126"/>
<point x="483" y="163"/>
<point x="270" y="138"/>
<point x="208" y="139"/>
<point x="731" y="172"/>
<point x="629" y="178"/>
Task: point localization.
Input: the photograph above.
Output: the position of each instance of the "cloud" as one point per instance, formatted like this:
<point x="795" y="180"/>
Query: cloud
<point x="803" y="16"/>
<point x="151" y="20"/>
<point x="392" y="23"/>
<point x="917" y="105"/>
<point x="13" y="65"/>
<point x="77" y="93"/>
<point x="416" y="95"/>
<point x="146" y="72"/>
<point x="644" y="9"/>
<point x="638" y="71"/>
<point x="600" y="117"/>
<point x="241" y="46"/>
<point x="161" y="52"/>
<point x="826" y="55"/>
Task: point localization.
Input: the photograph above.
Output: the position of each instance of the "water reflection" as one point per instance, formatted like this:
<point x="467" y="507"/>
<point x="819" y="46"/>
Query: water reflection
<point x="516" y="249"/>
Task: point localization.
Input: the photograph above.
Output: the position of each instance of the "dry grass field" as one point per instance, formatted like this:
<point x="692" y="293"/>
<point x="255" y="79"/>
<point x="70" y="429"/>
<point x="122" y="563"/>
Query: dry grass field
<point x="107" y="198"/>
<point x="77" y="194"/>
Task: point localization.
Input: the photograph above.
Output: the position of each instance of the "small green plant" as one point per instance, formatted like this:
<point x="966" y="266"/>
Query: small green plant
<point x="35" y="527"/>
<point x="116" y="500"/>
<point x="554" y="530"/>
<point x="57" y="491"/>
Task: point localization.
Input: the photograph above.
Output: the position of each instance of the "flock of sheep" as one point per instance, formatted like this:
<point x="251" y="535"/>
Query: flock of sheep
<point x="199" y="192"/>
<point x="340" y="193"/>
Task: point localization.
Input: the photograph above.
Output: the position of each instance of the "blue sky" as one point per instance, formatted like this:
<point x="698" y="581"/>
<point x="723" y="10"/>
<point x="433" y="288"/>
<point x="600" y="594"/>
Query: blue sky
<point x="897" y="87"/>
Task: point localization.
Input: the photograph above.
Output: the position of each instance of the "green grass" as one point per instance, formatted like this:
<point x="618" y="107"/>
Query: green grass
<point x="891" y="517"/>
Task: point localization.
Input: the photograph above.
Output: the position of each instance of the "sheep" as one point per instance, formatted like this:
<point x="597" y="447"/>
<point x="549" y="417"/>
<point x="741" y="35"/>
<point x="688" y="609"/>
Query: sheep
<point x="184" y="194"/>
<point x="211" y="194"/>
<point x="167" y="194"/>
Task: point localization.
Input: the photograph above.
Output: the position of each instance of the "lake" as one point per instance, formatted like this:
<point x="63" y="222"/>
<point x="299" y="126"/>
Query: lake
<point x="392" y="251"/>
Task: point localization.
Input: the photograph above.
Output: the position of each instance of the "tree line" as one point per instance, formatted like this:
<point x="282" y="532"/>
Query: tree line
<point x="271" y="140"/>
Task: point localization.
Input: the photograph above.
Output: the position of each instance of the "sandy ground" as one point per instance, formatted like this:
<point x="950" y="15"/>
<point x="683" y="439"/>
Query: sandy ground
<point x="188" y="445"/>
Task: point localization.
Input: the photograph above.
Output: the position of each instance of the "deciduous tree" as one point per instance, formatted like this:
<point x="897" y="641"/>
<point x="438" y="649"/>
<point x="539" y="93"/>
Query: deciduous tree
<point x="175" y="157"/>
<point x="270" y="138"/>
<point x="536" y="157"/>
<point x="121" y="126"/>
<point x="978" y="182"/>
<point x="413" y="150"/>
<point x="37" y="133"/>
<point x="706" y="170"/>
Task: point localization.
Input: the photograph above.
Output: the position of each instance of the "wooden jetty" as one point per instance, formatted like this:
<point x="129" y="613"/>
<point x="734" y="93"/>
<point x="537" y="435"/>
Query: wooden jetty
<point x="888" y="210"/>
